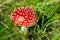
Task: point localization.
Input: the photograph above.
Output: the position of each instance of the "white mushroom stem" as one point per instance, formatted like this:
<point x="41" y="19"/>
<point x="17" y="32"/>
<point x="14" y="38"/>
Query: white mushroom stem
<point x="23" y="31"/>
<point x="23" y="28"/>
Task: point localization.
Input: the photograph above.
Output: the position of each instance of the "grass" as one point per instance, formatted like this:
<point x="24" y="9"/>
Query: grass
<point x="48" y="16"/>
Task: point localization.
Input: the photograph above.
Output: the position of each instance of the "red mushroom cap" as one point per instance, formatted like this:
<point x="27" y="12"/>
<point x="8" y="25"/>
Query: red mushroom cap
<point x="24" y="17"/>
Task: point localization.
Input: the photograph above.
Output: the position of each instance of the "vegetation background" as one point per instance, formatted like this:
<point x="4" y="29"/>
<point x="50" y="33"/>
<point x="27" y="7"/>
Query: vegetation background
<point x="47" y="27"/>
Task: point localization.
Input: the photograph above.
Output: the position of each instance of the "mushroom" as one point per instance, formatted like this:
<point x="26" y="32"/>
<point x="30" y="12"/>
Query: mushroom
<point x="24" y="17"/>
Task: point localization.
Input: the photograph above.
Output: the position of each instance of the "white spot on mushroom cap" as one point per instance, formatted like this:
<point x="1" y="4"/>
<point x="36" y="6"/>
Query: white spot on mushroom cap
<point x="21" y="18"/>
<point x="34" y="16"/>
<point x="20" y="12"/>
<point x="17" y="16"/>
<point x="16" y="22"/>
<point x="30" y="17"/>
<point x="25" y="9"/>
<point x="23" y="13"/>
<point x="19" y="9"/>
<point x="25" y="21"/>
<point x="33" y="12"/>
<point x="14" y="13"/>
<point x="20" y="23"/>
<point x="12" y="17"/>
<point x="29" y="23"/>
<point x="28" y="10"/>
<point x="26" y="16"/>
<point x="28" y="20"/>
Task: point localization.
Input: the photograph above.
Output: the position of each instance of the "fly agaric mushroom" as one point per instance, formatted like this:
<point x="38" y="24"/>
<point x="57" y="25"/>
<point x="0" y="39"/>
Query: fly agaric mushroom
<point x="24" y="17"/>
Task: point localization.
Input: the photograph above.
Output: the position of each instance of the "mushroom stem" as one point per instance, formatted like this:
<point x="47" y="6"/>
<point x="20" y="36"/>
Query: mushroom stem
<point x="24" y="31"/>
<point x="23" y="28"/>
